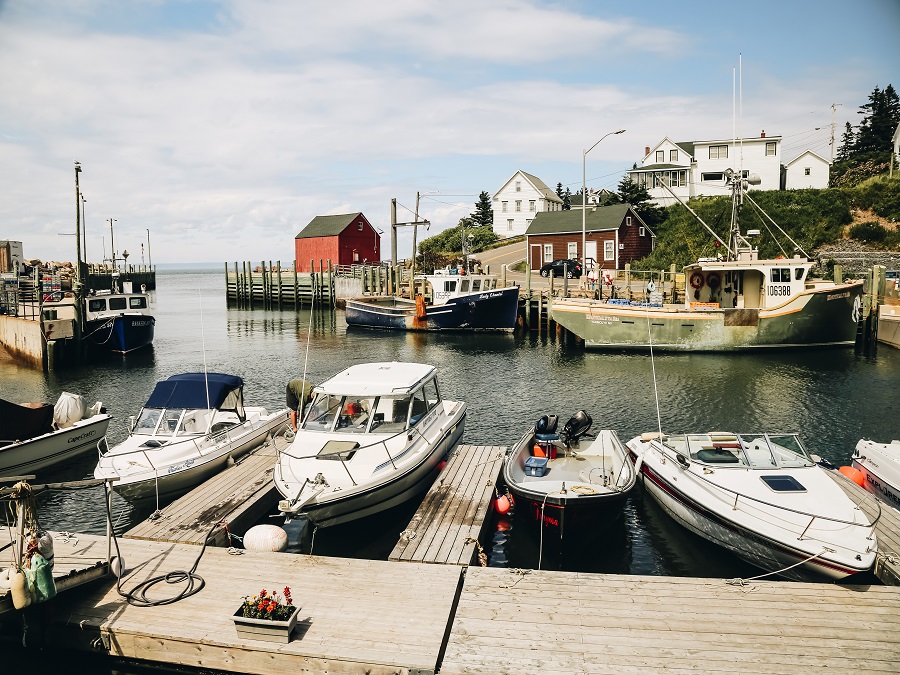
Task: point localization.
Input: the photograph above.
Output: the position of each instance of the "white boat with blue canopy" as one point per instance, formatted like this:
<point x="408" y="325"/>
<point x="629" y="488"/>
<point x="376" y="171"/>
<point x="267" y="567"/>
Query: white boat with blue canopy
<point x="189" y="427"/>
<point x="372" y="438"/>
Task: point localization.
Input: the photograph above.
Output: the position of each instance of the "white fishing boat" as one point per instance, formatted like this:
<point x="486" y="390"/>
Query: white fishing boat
<point x="879" y="464"/>
<point x="572" y="487"/>
<point x="372" y="438"/>
<point x="187" y="430"/>
<point x="37" y="436"/>
<point x="762" y="497"/>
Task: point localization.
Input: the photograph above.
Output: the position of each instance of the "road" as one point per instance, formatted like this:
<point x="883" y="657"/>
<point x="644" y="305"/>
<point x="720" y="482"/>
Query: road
<point x="513" y="253"/>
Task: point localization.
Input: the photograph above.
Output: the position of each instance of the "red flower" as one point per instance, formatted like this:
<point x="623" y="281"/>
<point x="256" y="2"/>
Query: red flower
<point x="262" y="593"/>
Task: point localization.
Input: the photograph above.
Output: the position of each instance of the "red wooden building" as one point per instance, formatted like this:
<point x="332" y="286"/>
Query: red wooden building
<point x="614" y="235"/>
<point x="347" y="239"/>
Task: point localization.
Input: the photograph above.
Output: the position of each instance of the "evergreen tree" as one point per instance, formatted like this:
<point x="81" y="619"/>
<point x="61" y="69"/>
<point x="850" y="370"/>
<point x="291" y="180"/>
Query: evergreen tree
<point x="559" y="190"/>
<point x="880" y="117"/>
<point x="483" y="213"/>
<point x="637" y="195"/>
<point x="848" y="140"/>
<point x="567" y="199"/>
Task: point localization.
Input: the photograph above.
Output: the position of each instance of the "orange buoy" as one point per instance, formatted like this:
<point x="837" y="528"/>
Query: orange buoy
<point x="442" y="464"/>
<point x="502" y="504"/>
<point x="502" y="524"/>
<point x="854" y="474"/>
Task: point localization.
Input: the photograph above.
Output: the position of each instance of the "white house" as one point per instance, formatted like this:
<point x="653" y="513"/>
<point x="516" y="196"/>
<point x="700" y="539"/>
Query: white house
<point x="809" y="170"/>
<point x="697" y="168"/>
<point x="521" y="198"/>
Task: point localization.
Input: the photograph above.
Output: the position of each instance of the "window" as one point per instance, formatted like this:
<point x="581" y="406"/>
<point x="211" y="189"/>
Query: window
<point x="117" y="303"/>
<point x="642" y="231"/>
<point x="449" y="286"/>
<point x="628" y="220"/>
<point x="798" y="273"/>
<point x="359" y="226"/>
<point x="518" y="186"/>
<point x="418" y="408"/>
<point x="573" y="250"/>
<point x="660" y="156"/>
<point x="673" y="155"/>
<point x="503" y="207"/>
<point x="718" y="152"/>
<point x="770" y="149"/>
<point x="139" y="302"/>
<point x="780" y="275"/>
<point x="464" y="286"/>
<point x="708" y="177"/>
<point x="431" y="393"/>
<point x="476" y="285"/>
<point x="509" y="225"/>
<point x="531" y="205"/>
<point x="527" y="224"/>
<point x="96" y="305"/>
<point x="548" y="253"/>
<point x="518" y="206"/>
<point x="609" y="250"/>
<point x="806" y="171"/>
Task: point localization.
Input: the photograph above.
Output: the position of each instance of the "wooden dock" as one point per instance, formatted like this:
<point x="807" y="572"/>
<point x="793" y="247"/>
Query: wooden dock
<point x="449" y="523"/>
<point x="240" y="495"/>
<point x="515" y="621"/>
<point x="887" y="530"/>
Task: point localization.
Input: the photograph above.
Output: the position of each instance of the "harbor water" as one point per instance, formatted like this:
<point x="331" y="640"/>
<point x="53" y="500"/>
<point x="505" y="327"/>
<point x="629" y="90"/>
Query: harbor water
<point x="831" y="397"/>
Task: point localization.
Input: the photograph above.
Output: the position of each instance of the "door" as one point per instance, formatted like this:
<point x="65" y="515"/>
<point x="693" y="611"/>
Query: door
<point x="590" y="255"/>
<point x="534" y="258"/>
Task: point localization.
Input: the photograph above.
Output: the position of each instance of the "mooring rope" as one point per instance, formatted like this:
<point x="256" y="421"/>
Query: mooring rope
<point x="743" y="582"/>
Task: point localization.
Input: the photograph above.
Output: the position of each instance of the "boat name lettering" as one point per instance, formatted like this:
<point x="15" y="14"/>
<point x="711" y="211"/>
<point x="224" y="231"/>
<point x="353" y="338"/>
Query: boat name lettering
<point x="493" y="294"/>
<point x="887" y="494"/>
<point x="180" y="467"/>
<point x="838" y="296"/>
<point x="140" y="323"/>
<point x="86" y="434"/>
<point x="606" y="320"/>
<point x="779" y="290"/>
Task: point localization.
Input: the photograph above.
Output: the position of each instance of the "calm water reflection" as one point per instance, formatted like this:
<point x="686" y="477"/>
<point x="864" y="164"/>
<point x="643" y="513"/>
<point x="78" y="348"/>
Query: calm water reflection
<point x="833" y="398"/>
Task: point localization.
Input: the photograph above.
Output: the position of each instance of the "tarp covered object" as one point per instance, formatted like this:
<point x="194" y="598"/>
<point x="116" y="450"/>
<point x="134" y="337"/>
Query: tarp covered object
<point x="21" y="422"/>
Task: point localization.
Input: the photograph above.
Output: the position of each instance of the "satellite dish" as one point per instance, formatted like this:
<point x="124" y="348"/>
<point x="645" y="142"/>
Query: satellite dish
<point x="754" y="179"/>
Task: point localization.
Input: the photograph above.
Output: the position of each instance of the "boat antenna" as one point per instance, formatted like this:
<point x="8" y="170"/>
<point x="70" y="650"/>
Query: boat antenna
<point x="203" y="347"/>
<point x="653" y="371"/>
<point x="312" y="303"/>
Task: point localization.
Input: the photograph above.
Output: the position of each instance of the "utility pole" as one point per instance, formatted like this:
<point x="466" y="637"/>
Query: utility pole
<point x="112" y="246"/>
<point x="833" y="109"/>
<point x="77" y="225"/>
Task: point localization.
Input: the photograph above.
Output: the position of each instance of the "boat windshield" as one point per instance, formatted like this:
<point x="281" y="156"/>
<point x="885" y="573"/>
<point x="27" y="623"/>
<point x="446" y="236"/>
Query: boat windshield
<point x="756" y="451"/>
<point x="357" y="414"/>
<point x="172" y="421"/>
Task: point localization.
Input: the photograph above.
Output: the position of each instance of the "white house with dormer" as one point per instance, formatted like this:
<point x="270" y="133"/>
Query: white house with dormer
<point x="809" y="170"/>
<point x="697" y="168"/>
<point x="520" y="199"/>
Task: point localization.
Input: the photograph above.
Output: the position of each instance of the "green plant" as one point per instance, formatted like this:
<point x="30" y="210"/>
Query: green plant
<point x="273" y="607"/>
<point x="868" y="232"/>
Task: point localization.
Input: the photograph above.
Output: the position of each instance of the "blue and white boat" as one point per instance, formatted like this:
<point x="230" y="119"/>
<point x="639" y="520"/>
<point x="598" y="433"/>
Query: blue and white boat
<point x="186" y="431"/>
<point x="119" y="322"/>
<point x="451" y="302"/>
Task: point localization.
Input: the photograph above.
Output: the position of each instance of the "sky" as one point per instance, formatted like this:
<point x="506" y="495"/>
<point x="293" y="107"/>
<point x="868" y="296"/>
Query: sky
<point x="214" y="131"/>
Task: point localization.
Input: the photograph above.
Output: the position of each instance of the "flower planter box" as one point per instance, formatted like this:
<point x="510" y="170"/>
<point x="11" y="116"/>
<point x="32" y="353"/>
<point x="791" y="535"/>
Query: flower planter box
<point x="264" y="629"/>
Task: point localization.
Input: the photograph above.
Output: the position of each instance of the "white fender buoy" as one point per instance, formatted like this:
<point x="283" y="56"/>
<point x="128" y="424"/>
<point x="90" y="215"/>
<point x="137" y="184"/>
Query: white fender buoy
<point x="117" y="566"/>
<point x="45" y="547"/>
<point x="265" y="538"/>
<point x="18" y="587"/>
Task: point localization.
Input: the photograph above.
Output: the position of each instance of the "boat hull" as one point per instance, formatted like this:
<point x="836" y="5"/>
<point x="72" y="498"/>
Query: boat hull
<point x="815" y="318"/>
<point x="53" y="448"/>
<point x="753" y="547"/>
<point x="494" y="310"/>
<point x="123" y="333"/>
<point x="880" y="467"/>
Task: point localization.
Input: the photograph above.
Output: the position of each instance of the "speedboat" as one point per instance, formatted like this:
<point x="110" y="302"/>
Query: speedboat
<point x="37" y="436"/>
<point x="371" y="439"/>
<point x="187" y="430"/>
<point x="566" y="484"/>
<point x="762" y="497"/>
<point x="879" y="464"/>
<point x="451" y="302"/>
<point x="119" y="322"/>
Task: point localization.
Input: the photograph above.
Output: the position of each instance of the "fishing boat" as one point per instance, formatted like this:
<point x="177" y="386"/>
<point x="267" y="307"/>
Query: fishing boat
<point x="879" y="464"/>
<point x="186" y="431"/>
<point x="372" y="438"/>
<point x="451" y="302"/>
<point x="737" y="301"/>
<point x="38" y="436"/>
<point x="760" y="496"/>
<point x="119" y="322"/>
<point x="566" y="484"/>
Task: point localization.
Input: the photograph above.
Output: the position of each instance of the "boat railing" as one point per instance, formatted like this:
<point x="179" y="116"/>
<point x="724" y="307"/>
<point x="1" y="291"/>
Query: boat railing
<point x="685" y="462"/>
<point x="200" y="450"/>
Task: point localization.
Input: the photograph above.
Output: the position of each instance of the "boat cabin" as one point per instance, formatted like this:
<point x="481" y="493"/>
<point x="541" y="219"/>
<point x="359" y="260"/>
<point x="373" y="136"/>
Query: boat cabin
<point x="447" y="284"/>
<point x="753" y="451"/>
<point x="105" y="305"/>
<point x="744" y="284"/>
<point x="191" y="404"/>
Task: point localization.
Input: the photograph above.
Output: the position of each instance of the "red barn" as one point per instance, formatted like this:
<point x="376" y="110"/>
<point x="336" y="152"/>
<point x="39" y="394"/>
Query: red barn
<point x="347" y="239"/>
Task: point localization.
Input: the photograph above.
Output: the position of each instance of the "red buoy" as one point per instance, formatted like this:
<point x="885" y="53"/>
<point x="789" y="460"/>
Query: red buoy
<point x="502" y="504"/>
<point x="854" y="474"/>
<point x="502" y="524"/>
<point x="442" y="464"/>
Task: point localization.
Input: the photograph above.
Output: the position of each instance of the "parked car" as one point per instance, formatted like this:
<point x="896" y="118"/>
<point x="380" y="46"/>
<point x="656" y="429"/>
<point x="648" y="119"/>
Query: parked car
<point x="571" y="268"/>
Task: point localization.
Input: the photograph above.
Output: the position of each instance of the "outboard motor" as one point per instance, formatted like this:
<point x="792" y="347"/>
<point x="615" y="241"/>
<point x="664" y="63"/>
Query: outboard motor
<point x="576" y="427"/>
<point x="546" y="425"/>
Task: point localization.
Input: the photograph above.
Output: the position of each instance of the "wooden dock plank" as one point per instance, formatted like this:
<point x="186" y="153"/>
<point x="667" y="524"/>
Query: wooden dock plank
<point x="539" y="622"/>
<point x="356" y="614"/>
<point x="239" y="495"/>
<point x="453" y="512"/>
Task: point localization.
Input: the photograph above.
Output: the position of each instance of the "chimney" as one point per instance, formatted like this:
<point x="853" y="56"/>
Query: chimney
<point x="646" y="150"/>
<point x="762" y="134"/>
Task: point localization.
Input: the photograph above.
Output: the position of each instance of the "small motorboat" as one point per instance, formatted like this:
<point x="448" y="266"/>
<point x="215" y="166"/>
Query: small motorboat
<point x="371" y="439"/>
<point x="119" y="322"/>
<point x="186" y="431"/>
<point x="762" y="497"/>
<point x="565" y="483"/>
<point x="879" y="464"/>
<point x="38" y="436"/>
<point x="459" y="302"/>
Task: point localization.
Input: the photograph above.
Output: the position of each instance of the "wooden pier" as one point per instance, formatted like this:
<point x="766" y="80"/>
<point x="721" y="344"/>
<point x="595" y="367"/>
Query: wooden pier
<point x="240" y="495"/>
<point x="449" y="524"/>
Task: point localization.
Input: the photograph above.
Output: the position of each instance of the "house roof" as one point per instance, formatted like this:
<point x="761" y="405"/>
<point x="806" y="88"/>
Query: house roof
<point x="601" y="219"/>
<point x="602" y="194"/>
<point x="658" y="167"/>
<point x="328" y="226"/>
<point x="536" y="183"/>
<point x="804" y="154"/>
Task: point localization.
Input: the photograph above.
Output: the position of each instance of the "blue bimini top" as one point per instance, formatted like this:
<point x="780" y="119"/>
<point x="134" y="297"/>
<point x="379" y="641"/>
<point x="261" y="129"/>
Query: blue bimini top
<point x="199" y="390"/>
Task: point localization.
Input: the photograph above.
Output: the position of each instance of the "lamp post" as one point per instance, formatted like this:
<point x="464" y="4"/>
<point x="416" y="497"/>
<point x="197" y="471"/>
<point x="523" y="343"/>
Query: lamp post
<point x="584" y="195"/>
<point x="149" y="258"/>
<point x="84" y="229"/>
<point x="112" y="246"/>
<point x="77" y="225"/>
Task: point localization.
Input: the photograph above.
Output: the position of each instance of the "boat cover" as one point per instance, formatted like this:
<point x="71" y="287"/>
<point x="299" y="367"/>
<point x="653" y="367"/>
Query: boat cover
<point x="189" y="390"/>
<point x="21" y="422"/>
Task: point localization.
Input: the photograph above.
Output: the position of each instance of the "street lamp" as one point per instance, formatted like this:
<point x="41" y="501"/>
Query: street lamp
<point x="584" y="194"/>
